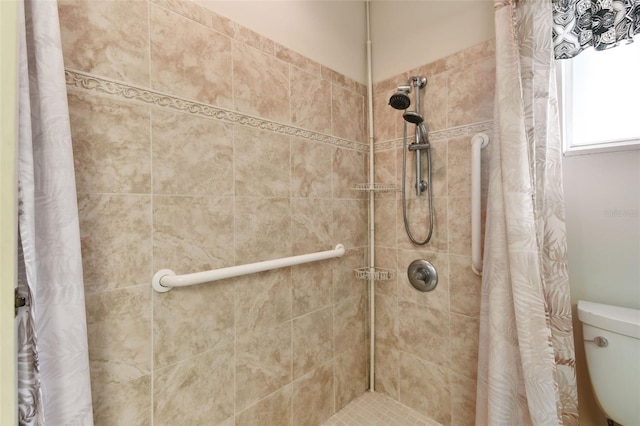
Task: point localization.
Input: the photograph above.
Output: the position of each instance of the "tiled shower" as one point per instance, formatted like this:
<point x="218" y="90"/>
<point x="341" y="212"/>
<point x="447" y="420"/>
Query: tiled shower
<point x="200" y="144"/>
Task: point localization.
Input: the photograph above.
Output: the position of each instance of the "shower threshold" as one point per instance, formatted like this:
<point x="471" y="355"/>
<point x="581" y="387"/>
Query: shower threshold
<point x="377" y="409"/>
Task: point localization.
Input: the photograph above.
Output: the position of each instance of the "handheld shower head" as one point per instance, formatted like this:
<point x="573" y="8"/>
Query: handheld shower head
<point x="413" y="117"/>
<point x="400" y="100"/>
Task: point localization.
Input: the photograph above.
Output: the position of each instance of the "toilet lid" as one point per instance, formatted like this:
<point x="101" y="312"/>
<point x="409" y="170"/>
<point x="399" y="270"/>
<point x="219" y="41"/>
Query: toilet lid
<point x="612" y="318"/>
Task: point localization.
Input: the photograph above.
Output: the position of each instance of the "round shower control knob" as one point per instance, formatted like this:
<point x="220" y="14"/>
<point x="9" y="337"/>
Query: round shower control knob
<point x="422" y="275"/>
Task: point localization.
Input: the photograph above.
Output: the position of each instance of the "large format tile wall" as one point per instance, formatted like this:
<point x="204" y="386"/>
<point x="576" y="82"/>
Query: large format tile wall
<point x="199" y="144"/>
<point x="426" y="343"/>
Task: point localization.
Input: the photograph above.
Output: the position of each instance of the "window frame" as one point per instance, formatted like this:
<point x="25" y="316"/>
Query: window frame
<point x="564" y="68"/>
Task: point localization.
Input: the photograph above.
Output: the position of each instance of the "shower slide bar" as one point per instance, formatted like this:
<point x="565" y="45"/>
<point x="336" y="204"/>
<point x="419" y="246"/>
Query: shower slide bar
<point x="165" y="279"/>
<point x="478" y="141"/>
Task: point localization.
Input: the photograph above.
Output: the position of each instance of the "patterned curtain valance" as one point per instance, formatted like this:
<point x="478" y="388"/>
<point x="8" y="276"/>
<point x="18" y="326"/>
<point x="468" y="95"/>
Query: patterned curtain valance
<point x="578" y="24"/>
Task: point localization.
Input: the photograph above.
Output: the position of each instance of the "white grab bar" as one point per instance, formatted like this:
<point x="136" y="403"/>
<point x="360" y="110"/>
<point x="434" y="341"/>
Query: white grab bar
<point x="478" y="141"/>
<point x="165" y="279"/>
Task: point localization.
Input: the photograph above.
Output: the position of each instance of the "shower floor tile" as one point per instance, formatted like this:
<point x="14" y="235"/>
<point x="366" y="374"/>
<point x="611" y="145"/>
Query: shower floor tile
<point x="376" y="409"/>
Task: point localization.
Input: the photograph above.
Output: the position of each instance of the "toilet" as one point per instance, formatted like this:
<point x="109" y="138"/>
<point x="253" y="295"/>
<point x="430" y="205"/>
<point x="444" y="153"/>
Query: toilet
<point x="612" y="348"/>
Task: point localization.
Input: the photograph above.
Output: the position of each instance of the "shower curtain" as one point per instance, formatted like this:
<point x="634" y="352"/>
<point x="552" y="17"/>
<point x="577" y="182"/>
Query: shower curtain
<point x="526" y="365"/>
<point x="53" y="364"/>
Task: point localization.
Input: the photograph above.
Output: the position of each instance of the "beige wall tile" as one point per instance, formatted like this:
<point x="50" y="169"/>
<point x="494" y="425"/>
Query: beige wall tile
<point x="349" y="324"/>
<point x="345" y="284"/>
<point x="313" y="397"/>
<point x="312" y="341"/>
<point x="418" y="217"/>
<point x="439" y="174"/>
<point x="263" y="364"/>
<point x="262" y="300"/>
<point x="350" y="375"/>
<point x="126" y="403"/>
<point x="387" y="258"/>
<point x="261" y="162"/>
<point x="347" y="110"/>
<point x="348" y="170"/>
<point x="455" y="60"/>
<point x="231" y="421"/>
<point x="464" y="345"/>
<point x="278" y="211"/>
<point x="191" y="320"/>
<point x="465" y="287"/>
<point x="119" y="332"/>
<point x="197" y="391"/>
<point x="310" y="101"/>
<point x="435" y="102"/>
<point x="484" y="169"/>
<point x="192" y="234"/>
<point x="189" y="60"/>
<point x="438" y="298"/>
<point x="223" y="25"/>
<point x="311" y="225"/>
<point x="420" y="378"/>
<point x="424" y="332"/>
<point x="192" y="11"/>
<point x="390" y="84"/>
<point x="400" y="173"/>
<point x="480" y="51"/>
<point x="273" y="410"/>
<point x="310" y="169"/>
<point x="386" y="119"/>
<point x="385" y="222"/>
<point x="265" y="236"/>
<point x="432" y="68"/>
<point x="191" y="155"/>
<point x="253" y="39"/>
<point x="463" y="400"/>
<point x="459" y="166"/>
<point x="298" y="60"/>
<point x="111" y="144"/>
<point x="408" y="172"/>
<point x="260" y="83"/>
<point x="336" y="77"/>
<point x="115" y="234"/>
<point x="459" y="209"/>
<point x="108" y="38"/>
<point x="385" y="172"/>
<point x="387" y="370"/>
<point x="350" y="222"/>
<point x="311" y="284"/>
<point x="471" y="92"/>
<point x="386" y="321"/>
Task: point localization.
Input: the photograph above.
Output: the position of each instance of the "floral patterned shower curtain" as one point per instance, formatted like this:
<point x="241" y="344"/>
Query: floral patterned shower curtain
<point x="53" y="362"/>
<point x="526" y="367"/>
<point x="579" y="24"/>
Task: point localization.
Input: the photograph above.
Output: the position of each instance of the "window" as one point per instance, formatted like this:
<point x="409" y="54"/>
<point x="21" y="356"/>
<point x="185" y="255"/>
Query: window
<point x="600" y="100"/>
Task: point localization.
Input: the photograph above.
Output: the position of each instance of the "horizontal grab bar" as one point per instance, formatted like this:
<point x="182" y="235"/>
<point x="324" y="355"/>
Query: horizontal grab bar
<point x="165" y="279"/>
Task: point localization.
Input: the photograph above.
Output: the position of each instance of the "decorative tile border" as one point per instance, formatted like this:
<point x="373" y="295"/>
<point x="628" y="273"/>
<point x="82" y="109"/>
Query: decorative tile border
<point x="90" y="83"/>
<point x="440" y="135"/>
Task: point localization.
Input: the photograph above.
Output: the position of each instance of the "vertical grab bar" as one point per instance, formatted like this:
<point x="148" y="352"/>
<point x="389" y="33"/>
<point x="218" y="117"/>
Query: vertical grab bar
<point x="478" y="141"/>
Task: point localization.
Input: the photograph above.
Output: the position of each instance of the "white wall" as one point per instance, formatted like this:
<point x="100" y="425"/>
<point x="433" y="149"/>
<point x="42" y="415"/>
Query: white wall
<point x="602" y="199"/>
<point x="404" y="34"/>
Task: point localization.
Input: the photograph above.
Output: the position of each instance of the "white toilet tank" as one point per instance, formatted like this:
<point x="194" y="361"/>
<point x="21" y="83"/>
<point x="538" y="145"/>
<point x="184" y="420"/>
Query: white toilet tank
<point x="612" y="347"/>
